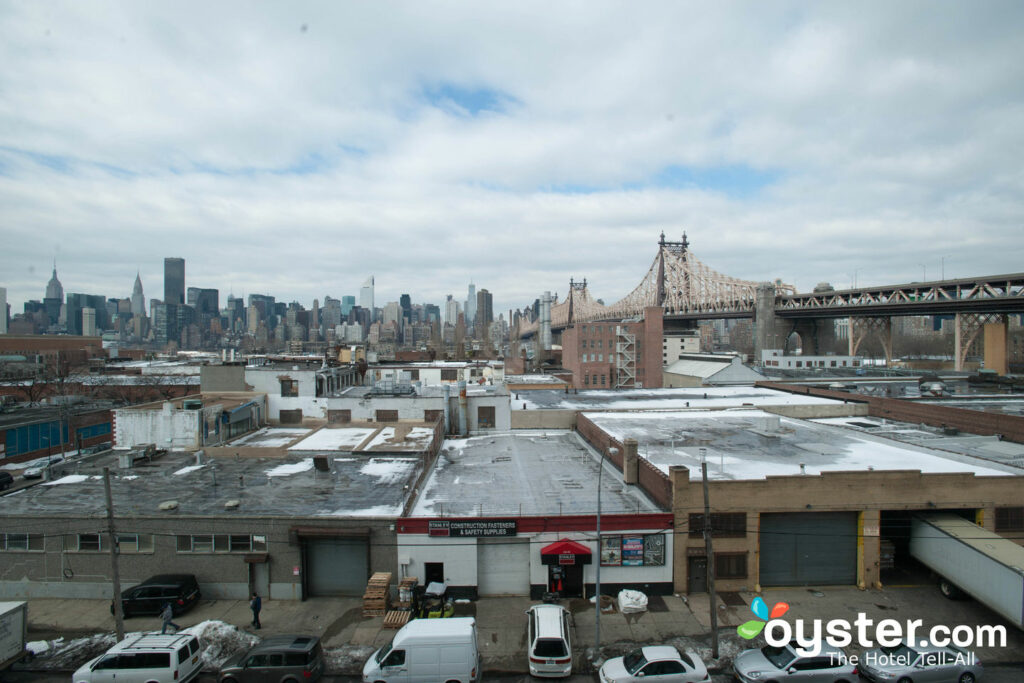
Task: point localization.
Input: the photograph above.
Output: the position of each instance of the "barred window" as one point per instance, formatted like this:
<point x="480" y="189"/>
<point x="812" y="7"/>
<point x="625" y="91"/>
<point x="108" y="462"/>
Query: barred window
<point x="723" y="524"/>
<point x="730" y="565"/>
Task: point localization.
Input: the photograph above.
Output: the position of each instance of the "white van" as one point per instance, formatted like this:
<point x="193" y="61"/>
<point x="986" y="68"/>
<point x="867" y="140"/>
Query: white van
<point x="145" y="658"/>
<point x="428" y="651"/>
<point x="549" y="643"/>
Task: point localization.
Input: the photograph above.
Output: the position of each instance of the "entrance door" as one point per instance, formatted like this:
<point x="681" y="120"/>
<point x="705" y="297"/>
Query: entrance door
<point x="566" y="580"/>
<point x="259" y="579"/>
<point x="433" y="571"/>
<point x="697" y="575"/>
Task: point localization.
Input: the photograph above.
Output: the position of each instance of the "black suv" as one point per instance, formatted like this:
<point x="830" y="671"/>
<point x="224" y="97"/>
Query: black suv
<point x="150" y="596"/>
<point x="277" y="658"/>
<point x="5" y="480"/>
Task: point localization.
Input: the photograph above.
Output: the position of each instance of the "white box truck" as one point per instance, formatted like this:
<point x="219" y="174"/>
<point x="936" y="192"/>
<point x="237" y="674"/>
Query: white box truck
<point x="13" y="628"/>
<point x="428" y="651"/>
<point x="970" y="559"/>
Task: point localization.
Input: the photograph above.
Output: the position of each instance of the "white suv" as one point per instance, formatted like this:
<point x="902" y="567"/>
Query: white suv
<point x="145" y="658"/>
<point x="549" y="641"/>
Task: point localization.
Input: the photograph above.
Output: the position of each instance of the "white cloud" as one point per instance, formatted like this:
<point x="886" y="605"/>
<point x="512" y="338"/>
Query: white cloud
<point x="289" y="149"/>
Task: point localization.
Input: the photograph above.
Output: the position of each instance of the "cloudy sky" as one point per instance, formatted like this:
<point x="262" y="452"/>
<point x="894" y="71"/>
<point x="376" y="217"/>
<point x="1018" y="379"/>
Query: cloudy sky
<point x="294" y="149"/>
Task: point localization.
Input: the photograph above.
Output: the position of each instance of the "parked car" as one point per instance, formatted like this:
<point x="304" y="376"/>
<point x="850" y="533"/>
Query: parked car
<point x="783" y="663"/>
<point x="663" y="662"/>
<point x="5" y="480"/>
<point x="149" y="597"/>
<point x="277" y="658"/>
<point x="37" y="471"/>
<point x="145" y="658"/>
<point x="917" y="662"/>
<point x="549" y="641"/>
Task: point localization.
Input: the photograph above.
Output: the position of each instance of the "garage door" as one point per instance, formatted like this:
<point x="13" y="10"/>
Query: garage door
<point x="808" y="549"/>
<point x="503" y="566"/>
<point x="336" y="566"/>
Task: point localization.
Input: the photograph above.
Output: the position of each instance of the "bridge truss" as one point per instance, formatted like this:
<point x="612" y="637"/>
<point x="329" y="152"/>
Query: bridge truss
<point x="676" y="281"/>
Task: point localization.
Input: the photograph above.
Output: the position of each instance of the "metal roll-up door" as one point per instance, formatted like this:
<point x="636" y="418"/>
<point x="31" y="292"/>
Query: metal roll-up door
<point x="808" y="549"/>
<point x="337" y="566"/>
<point x="503" y="566"/>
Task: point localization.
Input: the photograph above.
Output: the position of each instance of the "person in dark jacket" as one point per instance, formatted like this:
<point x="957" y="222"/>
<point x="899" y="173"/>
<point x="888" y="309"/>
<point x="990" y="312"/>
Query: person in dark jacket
<point x="256" y="605"/>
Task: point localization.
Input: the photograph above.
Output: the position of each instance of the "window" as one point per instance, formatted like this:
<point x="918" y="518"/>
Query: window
<point x="485" y="417"/>
<point x="88" y="542"/>
<point x="1010" y="519"/>
<point x="289" y="387"/>
<point x="723" y="524"/>
<point x="449" y="375"/>
<point x="730" y="565"/>
<point x="339" y="415"/>
<point x="414" y="375"/>
<point x="387" y="416"/>
<point x="25" y="542"/>
<point x="135" y="543"/>
<point x="602" y="379"/>
<point x="221" y="543"/>
<point x="394" y="658"/>
<point x="586" y="379"/>
<point x="432" y="415"/>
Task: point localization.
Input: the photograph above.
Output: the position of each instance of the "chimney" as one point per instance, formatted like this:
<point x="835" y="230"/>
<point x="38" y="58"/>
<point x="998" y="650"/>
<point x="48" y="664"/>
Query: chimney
<point x="630" y="461"/>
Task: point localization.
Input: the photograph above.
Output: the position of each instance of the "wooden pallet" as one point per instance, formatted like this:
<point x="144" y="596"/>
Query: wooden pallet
<point x="397" y="618"/>
<point x="378" y="595"/>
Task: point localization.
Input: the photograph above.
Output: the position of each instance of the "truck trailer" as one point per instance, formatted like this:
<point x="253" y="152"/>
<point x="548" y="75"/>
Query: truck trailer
<point x="971" y="560"/>
<point x="13" y="629"/>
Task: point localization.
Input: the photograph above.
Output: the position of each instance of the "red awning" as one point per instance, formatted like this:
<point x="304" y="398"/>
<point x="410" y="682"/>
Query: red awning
<point x="565" y="547"/>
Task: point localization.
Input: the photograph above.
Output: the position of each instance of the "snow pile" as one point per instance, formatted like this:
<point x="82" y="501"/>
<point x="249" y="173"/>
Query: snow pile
<point x="348" y="659"/>
<point x="61" y="654"/>
<point x="220" y="641"/>
<point x="190" y="468"/>
<point x="70" y="479"/>
<point x="291" y="468"/>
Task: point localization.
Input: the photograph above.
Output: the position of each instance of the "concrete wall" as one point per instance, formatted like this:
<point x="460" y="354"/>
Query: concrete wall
<point x="168" y="427"/>
<point x="223" y="378"/>
<point x="543" y="419"/>
<point x="58" y="571"/>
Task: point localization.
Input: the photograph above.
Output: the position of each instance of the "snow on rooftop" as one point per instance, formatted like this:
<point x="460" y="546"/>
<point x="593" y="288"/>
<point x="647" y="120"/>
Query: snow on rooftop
<point x="70" y="479"/>
<point x="388" y="470"/>
<point x="190" y="468"/>
<point x="291" y="468"/>
<point x="334" y="439"/>
<point x="647" y="399"/>
<point x="271" y="437"/>
<point x="745" y="444"/>
<point x="532" y="379"/>
<point x="418" y="438"/>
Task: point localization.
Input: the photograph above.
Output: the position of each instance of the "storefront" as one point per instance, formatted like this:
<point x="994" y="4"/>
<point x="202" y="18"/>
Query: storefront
<point x="535" y="555"/>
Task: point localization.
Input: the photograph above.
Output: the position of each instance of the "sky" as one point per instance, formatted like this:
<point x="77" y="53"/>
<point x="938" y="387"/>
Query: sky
<point x="295" y="149"/>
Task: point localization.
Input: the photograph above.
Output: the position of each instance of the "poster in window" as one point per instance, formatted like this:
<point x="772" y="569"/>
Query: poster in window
<point x="654" y="551"/>
<point x="611" y="550"/>
<point x="632" y="551"/>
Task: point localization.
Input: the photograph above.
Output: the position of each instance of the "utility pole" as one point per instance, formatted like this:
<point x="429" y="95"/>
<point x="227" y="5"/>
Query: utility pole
<point x="597" y="568"/>
<point x="711" y="561"/>
<point x="118" y="616"/>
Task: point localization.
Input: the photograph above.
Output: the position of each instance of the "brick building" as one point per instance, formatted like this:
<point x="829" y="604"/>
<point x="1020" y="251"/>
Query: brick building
<point x="609" y="355"/>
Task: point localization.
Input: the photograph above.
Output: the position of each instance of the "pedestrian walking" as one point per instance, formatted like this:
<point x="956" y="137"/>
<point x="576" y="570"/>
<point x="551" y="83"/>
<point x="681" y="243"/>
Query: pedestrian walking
<point x="256" y="605"/>
<point x="166" y="614"/>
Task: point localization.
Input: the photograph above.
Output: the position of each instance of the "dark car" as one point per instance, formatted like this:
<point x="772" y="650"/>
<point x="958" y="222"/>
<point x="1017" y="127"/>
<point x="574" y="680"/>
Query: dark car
<point x="150" y="596"/>
<point x="5" y="480"/>
<point x="277" y="658"/>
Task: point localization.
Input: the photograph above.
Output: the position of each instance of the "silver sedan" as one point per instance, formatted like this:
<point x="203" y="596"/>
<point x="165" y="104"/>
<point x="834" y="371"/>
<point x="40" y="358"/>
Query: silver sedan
<point x="916" y="663"/>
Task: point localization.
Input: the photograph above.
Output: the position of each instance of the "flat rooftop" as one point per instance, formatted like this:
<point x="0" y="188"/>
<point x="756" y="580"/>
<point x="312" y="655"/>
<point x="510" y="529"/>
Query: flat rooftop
<point x="661" y="399"/>
<point x="355" y="438"/>
<point x="356" y="486"/>
<point x="990" y="448"/>
<point x="422" y="391"/>
<point x="524" y="473"/>
<point x="746" y="444"/>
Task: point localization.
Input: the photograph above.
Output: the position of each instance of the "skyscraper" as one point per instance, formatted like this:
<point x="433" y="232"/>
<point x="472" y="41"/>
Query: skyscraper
<point x="347" y="302"/>
<point x="366" y="295"/>
<point x="138" y="298"/>
<point x="405" y="301"/>
<point x="3" y="310"/>
<point x="484" y="312"/>
<point x="174" y="281"/>
<point x="54" y="298"/>
<point x="471" y="304"/>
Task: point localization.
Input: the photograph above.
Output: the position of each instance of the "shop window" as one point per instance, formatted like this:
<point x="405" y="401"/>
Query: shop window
<point x="730" y="565"/>
<point x="723" y="524"/>
<point x="1010" y="519"/>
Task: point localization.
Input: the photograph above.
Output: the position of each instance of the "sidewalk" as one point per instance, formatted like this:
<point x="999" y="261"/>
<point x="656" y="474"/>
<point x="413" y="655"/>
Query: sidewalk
<point x="684" y="623"/>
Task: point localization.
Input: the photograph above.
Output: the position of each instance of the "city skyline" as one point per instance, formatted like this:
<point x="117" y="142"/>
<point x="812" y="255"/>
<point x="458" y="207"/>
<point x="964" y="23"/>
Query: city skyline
<point x="278" y="151"/>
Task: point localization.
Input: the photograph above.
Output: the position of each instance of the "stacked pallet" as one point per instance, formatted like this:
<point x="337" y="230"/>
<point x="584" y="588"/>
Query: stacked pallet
<point x="377" y="596"/>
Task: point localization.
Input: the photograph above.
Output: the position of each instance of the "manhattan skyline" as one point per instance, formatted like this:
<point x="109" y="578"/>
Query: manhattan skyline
<point x="282" y="151"/>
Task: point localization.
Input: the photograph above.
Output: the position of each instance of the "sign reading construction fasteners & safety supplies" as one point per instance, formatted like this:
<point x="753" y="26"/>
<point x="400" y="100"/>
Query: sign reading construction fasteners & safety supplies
<point x="472" y="527"/>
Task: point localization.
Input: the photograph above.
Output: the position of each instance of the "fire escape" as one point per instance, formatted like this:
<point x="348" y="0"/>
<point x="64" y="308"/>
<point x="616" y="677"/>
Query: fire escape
<point x="625" y="359"/>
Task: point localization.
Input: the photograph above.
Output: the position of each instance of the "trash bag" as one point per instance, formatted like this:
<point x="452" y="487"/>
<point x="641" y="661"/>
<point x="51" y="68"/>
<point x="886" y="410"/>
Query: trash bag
<point x="631" y="602"/>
